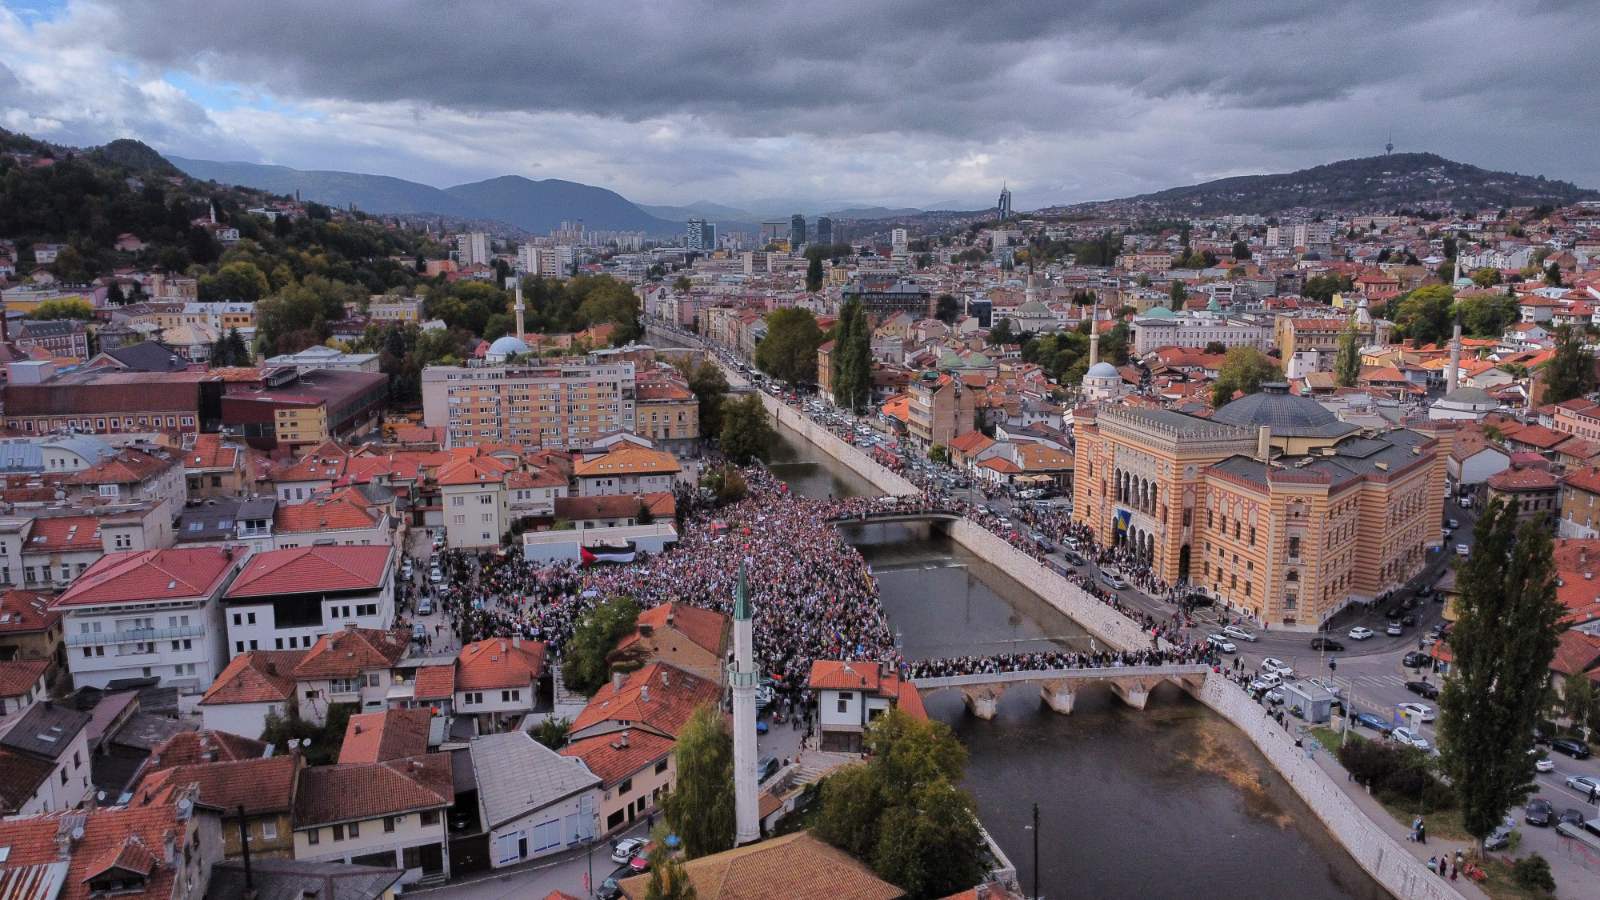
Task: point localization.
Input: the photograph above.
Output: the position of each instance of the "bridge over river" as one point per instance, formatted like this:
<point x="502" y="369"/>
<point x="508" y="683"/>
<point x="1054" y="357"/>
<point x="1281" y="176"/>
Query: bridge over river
<point x="1058" y="687"/>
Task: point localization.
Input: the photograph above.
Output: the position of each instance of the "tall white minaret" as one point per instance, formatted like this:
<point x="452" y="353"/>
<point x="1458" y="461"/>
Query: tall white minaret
<point x="742" y="678"/>
<point x="519" y="308"/>
<point x="1452" y="375"/>
<point x="1094" y="333"/>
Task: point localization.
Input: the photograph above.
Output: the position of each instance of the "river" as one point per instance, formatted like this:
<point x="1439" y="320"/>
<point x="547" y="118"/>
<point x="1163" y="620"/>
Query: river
<point x="1170" y="801"/>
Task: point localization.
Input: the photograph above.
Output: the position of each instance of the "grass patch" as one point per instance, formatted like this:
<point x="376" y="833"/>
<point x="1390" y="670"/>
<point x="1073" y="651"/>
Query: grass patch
<point x="1330" y="739"/>
<point x="1502" y="886"/>
<point x="1443" y="825"/>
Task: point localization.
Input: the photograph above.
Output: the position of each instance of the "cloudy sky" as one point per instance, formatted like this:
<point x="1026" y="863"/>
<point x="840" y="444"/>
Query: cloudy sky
<point x="674" y="101"/>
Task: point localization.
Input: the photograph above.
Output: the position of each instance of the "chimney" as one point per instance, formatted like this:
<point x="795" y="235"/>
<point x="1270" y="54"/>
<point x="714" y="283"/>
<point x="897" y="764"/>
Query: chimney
<point x="618" y="679"/>
<point x="623" y="740"/>
<point x="644" y="694"/>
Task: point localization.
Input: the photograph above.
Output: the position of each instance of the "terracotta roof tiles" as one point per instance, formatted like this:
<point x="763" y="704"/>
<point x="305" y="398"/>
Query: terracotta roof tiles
<point x="259" y="676"/>
<point x="495" y="663"/>
<point x="144" y="576"/>
<point x="351" y="651"/>
<point x="382" y="736"/>
<point x="343" y="793"/>
<point x="315" y="569"/>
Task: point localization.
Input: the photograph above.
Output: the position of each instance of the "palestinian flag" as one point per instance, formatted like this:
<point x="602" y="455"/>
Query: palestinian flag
<point x="605" y="553"/>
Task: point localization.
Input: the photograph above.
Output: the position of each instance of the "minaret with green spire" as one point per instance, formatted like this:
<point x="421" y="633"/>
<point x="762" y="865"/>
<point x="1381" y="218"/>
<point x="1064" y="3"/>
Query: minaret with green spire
<point x="742" y="677"/>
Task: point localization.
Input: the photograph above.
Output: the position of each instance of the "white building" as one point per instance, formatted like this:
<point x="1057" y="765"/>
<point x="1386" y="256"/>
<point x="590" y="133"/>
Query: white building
<point x="48" y="765"/>
<point x="532" y="800"/>
<point x="472" y="248"/>
<point x="389" y="814"/>
<point x="1161" y="327"/>
<point x="287" y="599"/>
<point x="151" y="613"/>
<point x="850" y="695"/>
<point x="626" y="469"/>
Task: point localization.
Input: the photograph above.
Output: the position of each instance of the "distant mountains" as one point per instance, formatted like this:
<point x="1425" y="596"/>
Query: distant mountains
<point x="534" y="206"/>
<point x="1370" y="184"/>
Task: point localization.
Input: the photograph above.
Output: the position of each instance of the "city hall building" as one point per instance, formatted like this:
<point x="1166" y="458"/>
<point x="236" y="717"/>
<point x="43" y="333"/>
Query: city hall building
<point x="1273" y="505"/>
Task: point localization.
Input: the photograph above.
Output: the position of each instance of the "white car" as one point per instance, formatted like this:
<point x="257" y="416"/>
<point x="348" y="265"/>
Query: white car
<point x="1410" y="738"/>
<point x="1360" y="633"/>
<point x="1277" y="667"/>
<point x="1463" y="550"/>
<point x="1422" y="711"/>
<point x="1326" y="684"/>
<point x="1394" y="629"/>
<point x="1544" y="764"/>
<point x="1221" y="643"/>
<point x="1583" y="784"/>
<point x="1270" y="679"/>
<point x="626" y="850"/>
<point x="1238" y="634"/>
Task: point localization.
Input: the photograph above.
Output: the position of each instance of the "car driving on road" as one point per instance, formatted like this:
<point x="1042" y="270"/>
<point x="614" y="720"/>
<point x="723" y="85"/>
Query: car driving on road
<point x="1221" y="643"/>
<point x="1410" y="738"/>
<point x="1327" y="645"/>
<point x="1360" y="633"/>
<point x="1239" y="634"/>
<point x="1423" y="689"/>
<point x="1277" y="667"/>
<point x="1422" y="711"/>
<point x="1372" y="721"/>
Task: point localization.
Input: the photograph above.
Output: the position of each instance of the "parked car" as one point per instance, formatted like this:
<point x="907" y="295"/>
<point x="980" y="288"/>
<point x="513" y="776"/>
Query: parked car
<point x="1277" y="666"/>
<point x="1394" y="629"/>
<point x="1073" y="557"/>
<point x="766" y="767"/>
<point x="1408" y="620"/>
<point x="1372" y="721"/>
<point x="1360" y="633"/>
<point x="1422" y="711"/>
<point x="1274" y="696"/>
<point x="1544" y="764"/>
<point x="1583" y="784"/>
<point x="1500" y="838"/>
<point x="1410" y="738"/>
<point x="626" y="849"/>
<point x="1423" y="689"/>
<point x="1239" y="634"/>
<point x="1571" y="817"/>
<point x="1452" y="524"/>
<point x="1571" y="748"/>
<point x="1539" y="812"/>
<point x="1042" y="542"/>
<point x="434" y="575"/>
<point x="1221" y="643"/>
<point x="419" y="631"/>
<point x="1463" y="550"/>
<point x="1327" y="644"/>
<point x="425" y="606"/>
<point x="1270" y="679"/>
<point x="1414" y="659"/>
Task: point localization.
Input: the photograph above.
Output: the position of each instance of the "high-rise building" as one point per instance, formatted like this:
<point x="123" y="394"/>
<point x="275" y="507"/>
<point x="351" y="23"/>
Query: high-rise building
<point x="1005" y="203"/>
<point x="700" y="235"/>
<point x="472" y="248"/>
<point x="561" y="404"/>
<point x="824" y="230"/>
<point x="797" y="231"/>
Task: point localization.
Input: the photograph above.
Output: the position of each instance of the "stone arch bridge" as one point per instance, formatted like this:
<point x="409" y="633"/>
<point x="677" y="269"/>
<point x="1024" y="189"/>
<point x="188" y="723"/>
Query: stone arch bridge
<point x="1059" y="687"/>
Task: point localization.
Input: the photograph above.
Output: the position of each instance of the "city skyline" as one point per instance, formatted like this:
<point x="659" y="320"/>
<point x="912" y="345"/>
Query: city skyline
<point x="906" y="107"/>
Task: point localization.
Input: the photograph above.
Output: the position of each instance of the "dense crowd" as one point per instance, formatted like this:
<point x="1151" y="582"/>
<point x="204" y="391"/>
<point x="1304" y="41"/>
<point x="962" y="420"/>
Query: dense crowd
<point x="1054" y="659"/>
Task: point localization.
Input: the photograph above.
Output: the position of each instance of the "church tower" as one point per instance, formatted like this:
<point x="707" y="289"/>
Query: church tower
<point x="742" y="678"/>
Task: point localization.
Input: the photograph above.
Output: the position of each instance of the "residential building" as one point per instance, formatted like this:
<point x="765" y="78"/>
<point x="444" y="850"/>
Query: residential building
<point x="1532" y="492"/>
<point x="64" y="338"/>
<point x="189" y="748"/>
<point x="29" y="628"/>
<point x="1580" y="504"/>
<point x="287" y="599"/>
<point x="1317" y="339"/>
<point x="22" y="681"/>
<point x="262" y="789"/>
<point x="222" y="521"/>
<point x="472" y="488"/>
<point x="50" y="548"/>
<point x="472" y="249"/>
<point x="45" y="757"/>
<point x="345" y="517"/>
<point x="350" y="666"/>
<point x="497" y="681"/>
<point x="388" y="814"/>
<point x="385" y="308"/>
<point x="667" y="412"/>
<point x="254" y="685"/>
<point x="682" y="636"/>
<point x="635" y="768"/>
<point x="941" y="407"/>
<point x="851" y="695"/>
<point x="556" y="404"/>
<point x="88" y="401"/>
<point x="532" y="800"/>
<point x="388" y="734"/>
<point x="656" y="698"/>
<point x="796" y="866"/>
<point x="282" y="408"/>
<point x="150" y="613"/>
<point x="883" y="298"/>
<point x="214" y="467"/>
<point x="1273" y="505"/>
<point x="626" y="469"/>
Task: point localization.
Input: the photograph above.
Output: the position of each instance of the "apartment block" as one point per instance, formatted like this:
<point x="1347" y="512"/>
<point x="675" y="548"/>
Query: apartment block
<point x="562" y="404"/>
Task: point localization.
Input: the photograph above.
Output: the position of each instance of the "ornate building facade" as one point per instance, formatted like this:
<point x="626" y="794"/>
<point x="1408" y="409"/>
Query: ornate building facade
<point x="1273" y="506"/>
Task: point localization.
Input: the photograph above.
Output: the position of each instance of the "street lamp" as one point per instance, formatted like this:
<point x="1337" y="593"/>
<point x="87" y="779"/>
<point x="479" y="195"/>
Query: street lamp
<point x="1035" y="829"/>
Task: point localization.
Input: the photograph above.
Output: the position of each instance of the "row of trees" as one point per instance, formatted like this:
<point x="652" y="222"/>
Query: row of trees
<point x="851" y="360"/>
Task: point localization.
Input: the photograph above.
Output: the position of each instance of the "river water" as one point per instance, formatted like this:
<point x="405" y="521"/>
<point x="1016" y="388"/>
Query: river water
<point x="1170" y="801"/>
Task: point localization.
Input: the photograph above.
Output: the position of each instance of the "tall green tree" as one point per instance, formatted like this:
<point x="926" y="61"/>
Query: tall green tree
<point x="1244" y="371"/>
<point x="1424" y="315"/>
<point x="1347" y="364"/>
<point x="1552" y="274"/>
<point x="668" y="880"/>
<point x="709" y="386"/>
<point x="1577" y="699"/>
<point x="1177" y="294"/>
<point x="946" y="308"/>
<point x="1505" y="635"/>
<point x="1570" y="372"/>
<point x="700" y="807"/>
<point x="903" y="812"/>
<point x="586" y="660"/>
<point x="789" y="351"/>
<point x="747" y="433"/>
<point x="814" y="274"/>
<point x="852" y="355"/>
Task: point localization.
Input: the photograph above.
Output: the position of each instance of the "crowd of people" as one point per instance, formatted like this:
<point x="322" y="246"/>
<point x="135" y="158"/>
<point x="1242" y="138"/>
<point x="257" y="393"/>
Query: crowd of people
<point x="1056" y="659"/>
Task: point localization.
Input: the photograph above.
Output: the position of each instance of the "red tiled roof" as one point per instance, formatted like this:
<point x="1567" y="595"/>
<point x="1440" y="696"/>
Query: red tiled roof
<point x="434" y="683"/>
<point x="971" y="442"/>
<point x="188" y="748"/>
<point x="343" y="793"/>
<point x="382" y="736"/>
<point x="62" y="534"/>
<point x="1529" y="479"/>
<point x="703" y="627"/>
<point x="130" y="465"/>
<point x="111" y="836"/>
<point x="496" y="663"/>
<point x="350" y="651"/>
<point x="259" y="676"/>
<point x="833" y="674"/>
<point x="473" y="470"/>
<point x="262" y="785"/>
<point x="22" y="612"/>
<point x="660" y="696"/>
<point x="344" y="509"/>
<point x="1577" y="652"/>
<point x="207" y="451"/>
<point x="614" y="757"/>
<point x="315" y="569"/>
<point x="144" y="576"/>
<point x="627" y="459"/>
<point x="18" y="676"/>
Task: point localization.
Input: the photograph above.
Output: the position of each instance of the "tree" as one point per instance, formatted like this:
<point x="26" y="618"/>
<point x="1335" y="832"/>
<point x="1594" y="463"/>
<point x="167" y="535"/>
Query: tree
<point x="240" y="281"/>
<point x="1002" y="333"/>
<point x="939" y="453"/>
<point x="1570" y="372"/>
<point x="1577" y="700"/>
<point x="903" y="812"/>
<point x="709" y="386"/>
<point x="585" y="663"/>
<point x="1424" y="315"/>
<point x="700" y="807"/>
<point x="682" y="284"/>
<point x="1241" y="250"/>
<point x="1552" y="274"/>
<point x="1486" y="316"/>
<point x="1486" y="277"/>
<point x="1322" y="287"/>
<point x="814" y="274"/>
<point x="1244" y="371"/>
<point x="63" y="309"/>
<point x="851" y="359"/>
<point x="946" y="308"/>
<point x="668" y="880"/>
<point x="552" y="732"/>
<point x="1505" y="635"/>
<point x="746" y="433"/>
<point x="1176" y="294"/>
<point x="789" y="351"/>
<point x="1347" y="364"/>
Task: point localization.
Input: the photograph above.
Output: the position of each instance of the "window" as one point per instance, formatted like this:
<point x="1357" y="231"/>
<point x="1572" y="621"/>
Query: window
<point x="269" y="829"/>
<point x="623" y="788"/>
<point x="338" y="832"/>
<point x="430" y="817"/>
<point x="372" y="679"/>
<point x="844" y="701"/>
<point x="355" y="829"/>
<point x="388" y="824"/>
<point x="661" y="767"/>
<point x="314" y="836"/>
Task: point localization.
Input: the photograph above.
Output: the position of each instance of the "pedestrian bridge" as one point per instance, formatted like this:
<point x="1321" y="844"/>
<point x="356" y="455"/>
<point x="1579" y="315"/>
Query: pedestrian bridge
<point x="1059" y="687"/>
<point x="891" y="516"/>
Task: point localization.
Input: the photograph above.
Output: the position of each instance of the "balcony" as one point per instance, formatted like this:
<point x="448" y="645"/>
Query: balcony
<point x="135" y="634"/>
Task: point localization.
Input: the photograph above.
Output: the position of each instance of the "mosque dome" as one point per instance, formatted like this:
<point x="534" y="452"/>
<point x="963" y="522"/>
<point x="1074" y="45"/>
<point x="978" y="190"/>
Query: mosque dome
<point x="1159" y="312"/>
<point x="508" y="346"/>
<point x="1102" y="370"/>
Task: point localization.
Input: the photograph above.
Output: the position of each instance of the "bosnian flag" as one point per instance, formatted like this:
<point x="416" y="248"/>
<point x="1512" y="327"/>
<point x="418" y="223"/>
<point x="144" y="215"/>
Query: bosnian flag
<point x="607" y="554"/>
